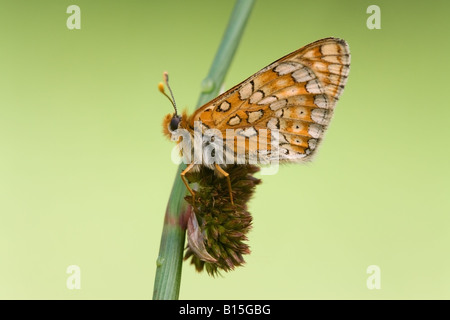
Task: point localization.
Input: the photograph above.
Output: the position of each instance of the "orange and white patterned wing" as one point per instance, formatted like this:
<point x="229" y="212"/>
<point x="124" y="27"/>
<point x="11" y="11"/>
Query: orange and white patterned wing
<point x="295" y="95"/>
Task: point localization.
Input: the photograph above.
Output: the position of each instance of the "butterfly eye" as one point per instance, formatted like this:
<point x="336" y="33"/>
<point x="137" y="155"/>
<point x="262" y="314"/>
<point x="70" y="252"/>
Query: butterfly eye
<point x="174" y="123"/>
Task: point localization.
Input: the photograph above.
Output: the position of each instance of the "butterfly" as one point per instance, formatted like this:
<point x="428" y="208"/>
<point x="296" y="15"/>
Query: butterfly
<point x="293" y="97"/>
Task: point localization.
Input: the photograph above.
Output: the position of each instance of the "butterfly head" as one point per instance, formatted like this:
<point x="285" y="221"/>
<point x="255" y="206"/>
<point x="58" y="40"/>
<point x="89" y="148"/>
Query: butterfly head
<point x="174" y="122"/>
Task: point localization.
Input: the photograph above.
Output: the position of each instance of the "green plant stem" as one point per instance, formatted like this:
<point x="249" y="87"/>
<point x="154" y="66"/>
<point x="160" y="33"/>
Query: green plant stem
<point x="170" y="258"/>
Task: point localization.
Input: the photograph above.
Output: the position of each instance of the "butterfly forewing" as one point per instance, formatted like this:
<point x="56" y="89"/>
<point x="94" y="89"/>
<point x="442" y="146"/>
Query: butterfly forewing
<point x="294" y="96"/>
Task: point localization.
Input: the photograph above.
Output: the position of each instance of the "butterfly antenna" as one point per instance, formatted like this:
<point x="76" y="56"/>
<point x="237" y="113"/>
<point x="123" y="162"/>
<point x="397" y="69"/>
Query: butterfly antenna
<point x="161" y="89"/>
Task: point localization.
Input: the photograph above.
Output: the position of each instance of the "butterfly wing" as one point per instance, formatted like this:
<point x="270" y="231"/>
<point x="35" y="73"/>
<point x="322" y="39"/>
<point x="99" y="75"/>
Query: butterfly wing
<point x="295" y="96"/>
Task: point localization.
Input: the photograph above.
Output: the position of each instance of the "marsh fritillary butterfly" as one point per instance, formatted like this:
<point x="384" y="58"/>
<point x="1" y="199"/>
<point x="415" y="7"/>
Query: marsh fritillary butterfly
<point x="293" y="97"/>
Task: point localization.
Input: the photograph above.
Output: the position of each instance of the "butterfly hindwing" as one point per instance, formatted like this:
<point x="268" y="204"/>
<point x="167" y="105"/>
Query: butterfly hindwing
<point x="295" y="95"/>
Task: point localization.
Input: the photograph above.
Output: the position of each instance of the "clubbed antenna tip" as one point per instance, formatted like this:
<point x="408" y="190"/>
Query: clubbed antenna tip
<point x="161" y="89"/>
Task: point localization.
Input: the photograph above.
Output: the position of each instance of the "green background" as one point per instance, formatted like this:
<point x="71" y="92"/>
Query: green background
<point x="85" y="172"/>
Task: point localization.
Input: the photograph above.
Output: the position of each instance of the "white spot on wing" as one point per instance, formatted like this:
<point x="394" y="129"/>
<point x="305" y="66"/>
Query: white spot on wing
<point x="321" y="101"/>
<point x="333" y="90"/>
<point x="254" y="116"/>
<point x="320" y="116"/>
<point x="268" y="100"/>
<point x="234" y="121"/>
<point x="279" y="113"/>
<point x="224" y="106"/>
<point x="334" y="78"/>
<point x="255" y="97"/>
<point x="315" y="130"/>
<point x="309" y="54"/>
<point x="314" y="86"/>
<point x="272" y="123"/>
<point x="278" y="104"/>
<point x="246" y="91"/>
<point x="287" y="67"/>
<point x="335" y="68"/>
<point x="329" y="49"/>
<point x="303" y="75"/>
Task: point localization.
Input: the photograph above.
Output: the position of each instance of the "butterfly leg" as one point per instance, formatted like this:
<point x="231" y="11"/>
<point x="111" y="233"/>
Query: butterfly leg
<point x="227" y="175"/>
<point x="186" y="183"/>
